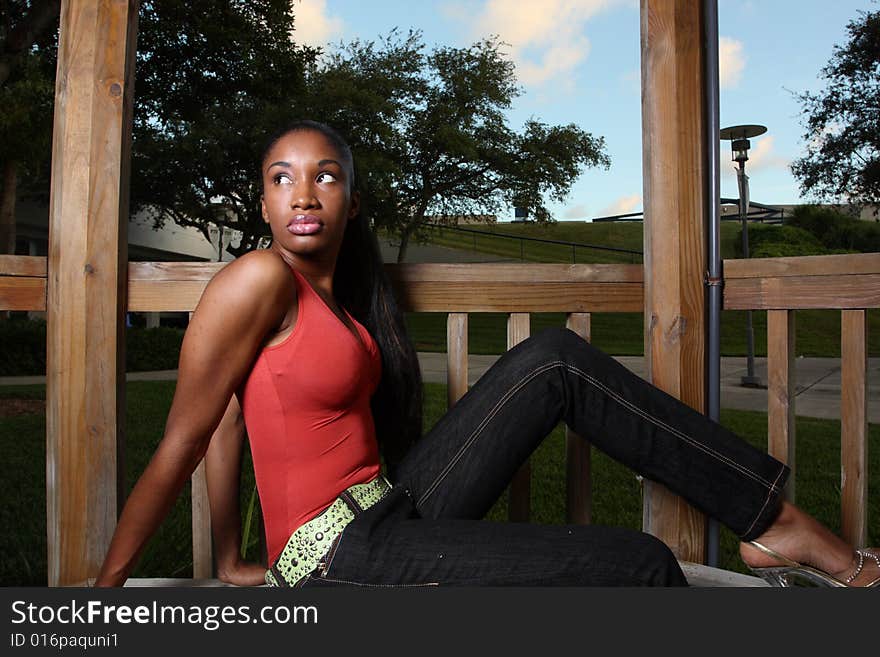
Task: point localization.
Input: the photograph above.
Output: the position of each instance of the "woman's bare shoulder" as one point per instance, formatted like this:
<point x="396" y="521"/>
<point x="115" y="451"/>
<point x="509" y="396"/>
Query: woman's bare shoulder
<point x="257" y="271"/>
<point x="258" y="285"/>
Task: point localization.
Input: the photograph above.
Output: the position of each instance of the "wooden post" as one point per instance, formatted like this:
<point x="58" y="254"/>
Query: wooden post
<point x="674" y="157"/>
<point x="88" y="215"/>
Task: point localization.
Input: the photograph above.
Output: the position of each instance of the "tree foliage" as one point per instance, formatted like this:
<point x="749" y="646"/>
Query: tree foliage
<point x="432" y="136"/>
<point x="838" y="232"/>
<point x="28" y="45"/>
<point x="211" y="85"/>
<point x="23" y="24"/>
<point x="842" y="121"/>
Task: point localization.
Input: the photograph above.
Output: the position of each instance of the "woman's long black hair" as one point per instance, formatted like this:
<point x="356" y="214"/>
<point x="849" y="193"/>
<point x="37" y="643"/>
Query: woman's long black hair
<point x="361" y="286"/>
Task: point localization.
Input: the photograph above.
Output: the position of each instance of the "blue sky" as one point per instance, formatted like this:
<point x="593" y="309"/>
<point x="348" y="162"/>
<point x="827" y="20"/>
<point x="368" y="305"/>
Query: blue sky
<point x="578" y="62"/>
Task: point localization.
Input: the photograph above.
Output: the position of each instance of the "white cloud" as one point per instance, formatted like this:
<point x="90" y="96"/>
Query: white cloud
<point x="579" y="211"/>
<point x="731" y="62"/>
<point x="762" y="155"/>
<point x="312" y="25"/>
<point x="546" y="38"/>
<point x="623" y="205"/>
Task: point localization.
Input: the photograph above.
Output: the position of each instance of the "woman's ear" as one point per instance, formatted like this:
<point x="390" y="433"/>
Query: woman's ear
<point x="355" y="206"/>
<point x="263" y="210"/>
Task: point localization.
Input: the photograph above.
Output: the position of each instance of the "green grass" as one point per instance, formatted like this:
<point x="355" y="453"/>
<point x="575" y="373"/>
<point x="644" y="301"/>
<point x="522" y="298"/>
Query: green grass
<point x="622" y="334"/>
<point x="616" y="491"/>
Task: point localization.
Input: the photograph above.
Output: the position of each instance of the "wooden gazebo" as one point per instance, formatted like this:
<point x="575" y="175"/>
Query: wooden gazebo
<point x="86" y="285"/>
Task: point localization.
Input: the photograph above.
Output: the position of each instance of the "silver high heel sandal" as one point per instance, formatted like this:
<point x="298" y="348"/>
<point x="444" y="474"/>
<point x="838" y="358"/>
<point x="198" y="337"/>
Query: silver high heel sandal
<point x="782" y="575"/>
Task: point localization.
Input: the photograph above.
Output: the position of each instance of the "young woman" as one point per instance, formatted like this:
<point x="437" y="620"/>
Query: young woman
<point x="304" y="340"/>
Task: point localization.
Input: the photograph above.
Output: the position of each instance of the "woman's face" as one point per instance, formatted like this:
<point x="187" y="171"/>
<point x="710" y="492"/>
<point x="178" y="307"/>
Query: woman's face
<point x="307" y="199"/>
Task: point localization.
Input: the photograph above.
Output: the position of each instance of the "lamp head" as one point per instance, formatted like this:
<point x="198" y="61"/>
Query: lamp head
<point x="740" y="150"/>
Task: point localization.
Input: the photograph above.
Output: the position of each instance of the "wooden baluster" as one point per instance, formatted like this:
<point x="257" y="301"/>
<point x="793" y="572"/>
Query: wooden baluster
<point x="203" y="565"/>
<point x="854" y="426"/>
<point x="780" y="390"/>
<point x="578" y="475"/>
<point x="518" y="504"/>
<point x="202" y="548"/>
<point x="456" y="357"/>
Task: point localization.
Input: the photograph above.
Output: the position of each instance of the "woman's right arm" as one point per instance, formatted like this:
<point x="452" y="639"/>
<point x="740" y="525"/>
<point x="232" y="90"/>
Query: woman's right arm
<point x="244" y="302"/>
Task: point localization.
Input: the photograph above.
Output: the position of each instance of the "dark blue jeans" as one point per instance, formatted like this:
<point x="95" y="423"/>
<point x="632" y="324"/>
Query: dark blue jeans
<point x="428" y="530"/>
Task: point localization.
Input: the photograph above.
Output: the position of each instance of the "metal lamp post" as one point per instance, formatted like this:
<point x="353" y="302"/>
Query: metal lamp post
<point x="739" y="136"/>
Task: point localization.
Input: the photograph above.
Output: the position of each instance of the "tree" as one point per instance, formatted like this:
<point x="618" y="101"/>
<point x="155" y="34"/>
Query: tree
<point x="431" y="133"/>
<point x="842" y="122"/>
<point x="428" y="129"/>
<point x="28" y="44"/>
<point x="211" y="85"/>
<point x="24" y="23"/>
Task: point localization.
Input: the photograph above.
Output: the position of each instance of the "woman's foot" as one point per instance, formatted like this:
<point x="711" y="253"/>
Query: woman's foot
<point x="802" y="539"/>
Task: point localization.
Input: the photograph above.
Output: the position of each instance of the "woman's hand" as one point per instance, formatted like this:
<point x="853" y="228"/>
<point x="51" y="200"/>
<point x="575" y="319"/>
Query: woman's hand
<point x="242" y="573"/>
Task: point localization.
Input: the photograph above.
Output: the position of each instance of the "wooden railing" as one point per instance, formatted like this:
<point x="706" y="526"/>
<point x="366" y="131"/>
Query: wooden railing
<point x="850" y="283"/>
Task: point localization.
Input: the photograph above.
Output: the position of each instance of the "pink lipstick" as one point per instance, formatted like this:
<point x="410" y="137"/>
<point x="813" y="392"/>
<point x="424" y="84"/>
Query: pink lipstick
<point x="305" y="224"/>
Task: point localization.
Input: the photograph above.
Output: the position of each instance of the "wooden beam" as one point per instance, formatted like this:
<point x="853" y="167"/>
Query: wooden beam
<point x="22" y="282"/>
<point x="675" y="176"/>
<point x="824" y="265"/>
<point x="22" y="293"/>
<point x="13" y="265"/>
<point x="520" y="273"/>
<point x="801" y="292"/>
<point x="432" y="287"/>
<point x="88" y="215"/>
<point x="518" y="288"/>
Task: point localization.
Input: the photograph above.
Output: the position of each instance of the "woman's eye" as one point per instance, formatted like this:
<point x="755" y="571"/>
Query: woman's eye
<point x="326" y="177"/>
<point x="281" y="179"/>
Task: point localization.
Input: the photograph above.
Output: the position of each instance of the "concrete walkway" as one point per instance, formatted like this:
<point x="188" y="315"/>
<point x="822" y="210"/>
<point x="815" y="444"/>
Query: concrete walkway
<point x="818" y="382"/>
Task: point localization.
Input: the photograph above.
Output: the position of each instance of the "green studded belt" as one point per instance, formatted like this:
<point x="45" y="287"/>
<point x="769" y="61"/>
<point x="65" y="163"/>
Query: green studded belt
<point x="310" y="543"/>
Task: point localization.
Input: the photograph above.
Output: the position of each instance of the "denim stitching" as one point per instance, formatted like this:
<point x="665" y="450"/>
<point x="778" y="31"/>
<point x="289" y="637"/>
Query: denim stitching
<point x="766" y="502"/>
<point x="675" y="432"/>
<point x="476" y="432"/>
<point x="378" y="586"/>
<point x="613" y="395"/>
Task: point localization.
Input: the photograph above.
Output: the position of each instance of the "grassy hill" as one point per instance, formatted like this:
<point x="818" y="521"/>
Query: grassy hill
<point x="495" y="239"/>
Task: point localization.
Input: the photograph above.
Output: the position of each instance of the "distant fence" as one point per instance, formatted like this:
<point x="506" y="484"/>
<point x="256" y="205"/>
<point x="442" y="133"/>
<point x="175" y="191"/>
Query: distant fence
<point x="635" y="257"/>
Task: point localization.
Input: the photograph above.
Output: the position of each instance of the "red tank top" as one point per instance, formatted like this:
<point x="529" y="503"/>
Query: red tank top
<point x="306" y="406"/>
